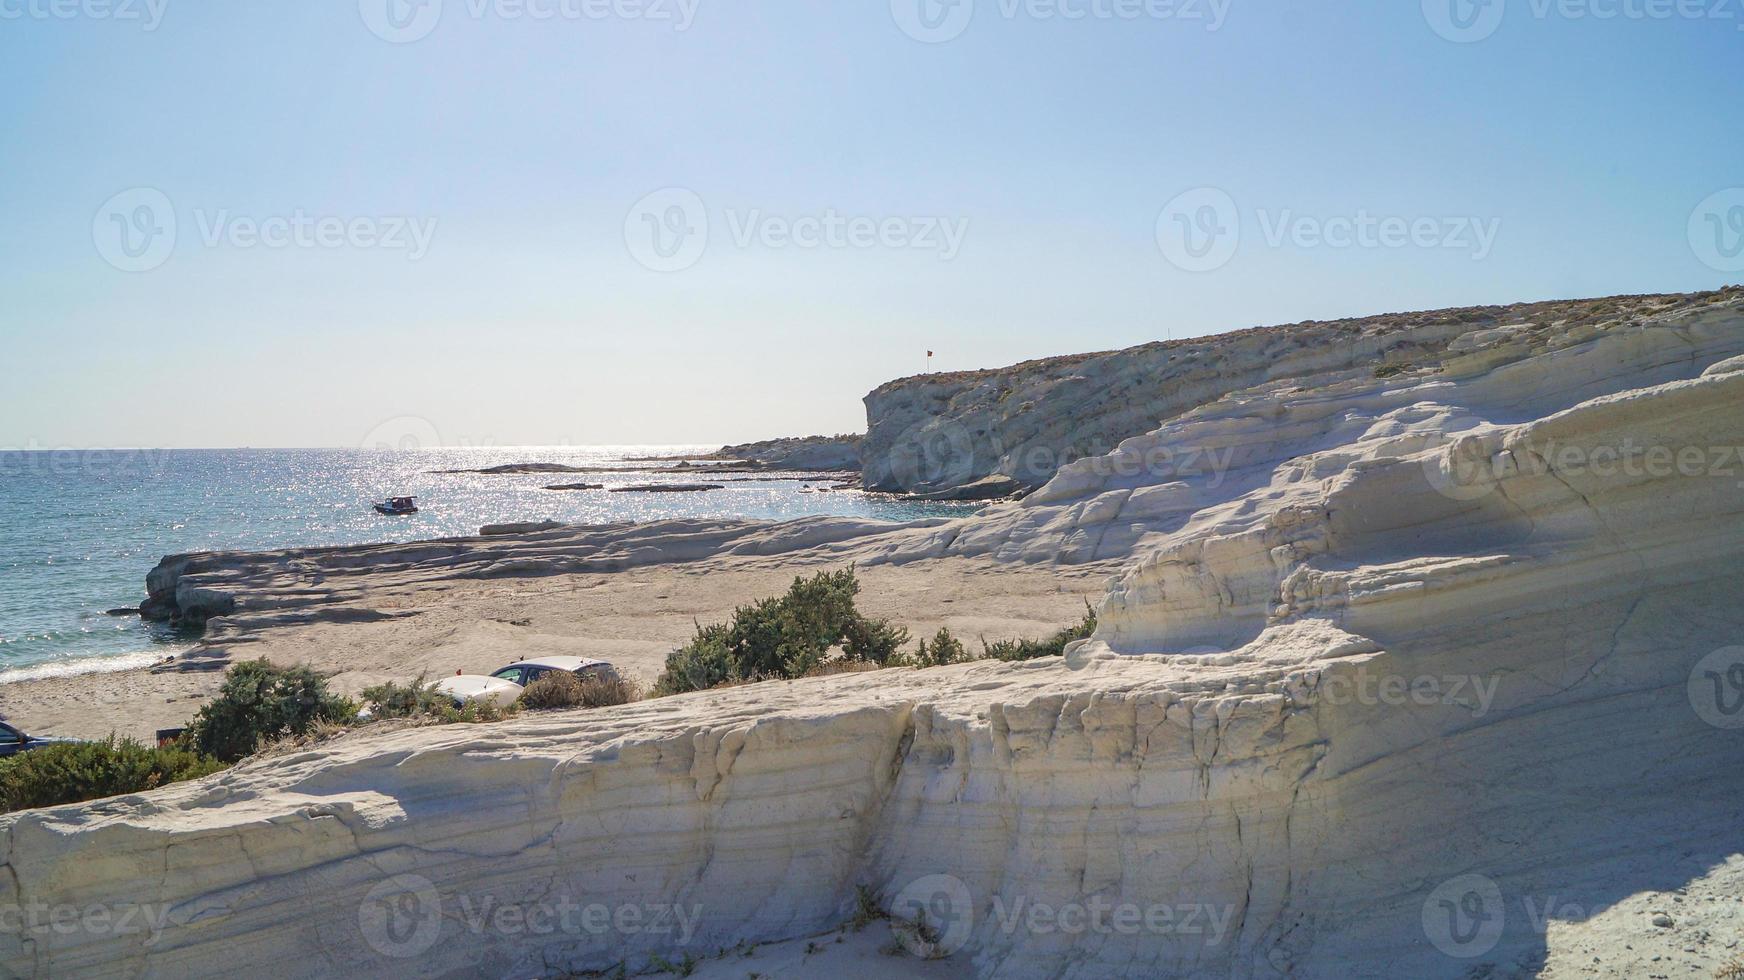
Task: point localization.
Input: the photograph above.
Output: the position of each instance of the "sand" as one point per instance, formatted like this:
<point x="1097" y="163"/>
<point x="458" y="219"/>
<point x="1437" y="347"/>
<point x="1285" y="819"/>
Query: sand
<point x="632" y="619"/>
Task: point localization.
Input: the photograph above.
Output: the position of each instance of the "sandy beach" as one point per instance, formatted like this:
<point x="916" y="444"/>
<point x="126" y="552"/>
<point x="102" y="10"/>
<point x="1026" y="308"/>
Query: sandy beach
<point x="632" y="618"/>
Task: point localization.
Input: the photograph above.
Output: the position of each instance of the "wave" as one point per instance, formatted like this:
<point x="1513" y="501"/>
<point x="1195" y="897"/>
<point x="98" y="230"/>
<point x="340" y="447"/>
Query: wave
<point x="84" y="664"/>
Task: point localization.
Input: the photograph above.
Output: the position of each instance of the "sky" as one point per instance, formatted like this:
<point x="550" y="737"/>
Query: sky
<point x="569" y="222"/>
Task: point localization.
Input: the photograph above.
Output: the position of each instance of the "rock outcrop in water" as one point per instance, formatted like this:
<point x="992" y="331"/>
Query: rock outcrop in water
<point x="806" y="454"/>
<point x="1403" y="666"/>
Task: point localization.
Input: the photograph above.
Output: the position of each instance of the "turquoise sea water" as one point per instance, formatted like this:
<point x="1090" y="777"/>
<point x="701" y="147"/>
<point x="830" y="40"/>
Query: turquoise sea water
<point x="79" y="530"/>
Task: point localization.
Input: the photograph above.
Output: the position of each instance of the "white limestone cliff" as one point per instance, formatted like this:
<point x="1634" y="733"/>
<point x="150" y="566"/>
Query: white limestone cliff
<point x="1393" y="665"/>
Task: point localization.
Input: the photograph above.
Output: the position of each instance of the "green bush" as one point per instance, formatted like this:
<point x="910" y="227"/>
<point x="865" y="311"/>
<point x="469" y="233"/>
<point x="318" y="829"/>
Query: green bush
<point x="1053" y="646"/>
<point x="74" y="772"/>
<point x="945" y="649"/>
<point x="783" y="637"/>
<point x="260" y="703"/>
<point x="702" y="663"/>
<point x="872" y="640"/>
<point x="419" y="699"/>
<point x="416" y="697"/>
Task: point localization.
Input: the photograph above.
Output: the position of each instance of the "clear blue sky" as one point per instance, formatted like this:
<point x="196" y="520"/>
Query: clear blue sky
<point x="1584" y="143"/>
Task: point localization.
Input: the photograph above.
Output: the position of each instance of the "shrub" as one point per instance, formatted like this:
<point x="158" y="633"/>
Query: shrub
<point x="872" y="640"/>
<point x="562" y="689"/>
<point x="1053" y="646"/>
<point x="702" y="663"/>
<point x="605" y="691"/>
<point x="259" y="703"/>
<point x="557" y="689"/>
<point x="783" y="637"/>
<point x="78" y="771"/>
<point x="416" y="697"/>
<point x="945" y="649"/>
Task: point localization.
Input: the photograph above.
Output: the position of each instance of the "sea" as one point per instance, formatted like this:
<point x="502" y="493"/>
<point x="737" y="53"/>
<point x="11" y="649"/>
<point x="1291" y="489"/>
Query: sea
<point x="79" y="529"/>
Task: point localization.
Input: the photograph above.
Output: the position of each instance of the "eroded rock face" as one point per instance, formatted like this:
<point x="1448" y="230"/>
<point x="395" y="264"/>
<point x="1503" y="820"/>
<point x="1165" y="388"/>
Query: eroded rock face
<point x="1404" y="669"/>
<point x="931" y="434"/>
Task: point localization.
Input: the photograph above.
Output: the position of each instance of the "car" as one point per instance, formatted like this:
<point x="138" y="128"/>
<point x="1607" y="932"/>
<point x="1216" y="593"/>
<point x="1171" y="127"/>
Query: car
<point x="13" y="741"/>
<point x="502" y="686"/>
<point x="524" y="672"/>
<point x="466" y="688"/>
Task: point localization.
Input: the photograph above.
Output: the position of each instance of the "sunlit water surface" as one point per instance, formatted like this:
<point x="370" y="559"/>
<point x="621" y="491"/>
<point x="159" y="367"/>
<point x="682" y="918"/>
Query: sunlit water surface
<point x="79" y="530"/>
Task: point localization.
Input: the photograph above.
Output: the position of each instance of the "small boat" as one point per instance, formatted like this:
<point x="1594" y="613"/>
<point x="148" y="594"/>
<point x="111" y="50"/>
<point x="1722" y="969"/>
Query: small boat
<point x="396" y="506"/>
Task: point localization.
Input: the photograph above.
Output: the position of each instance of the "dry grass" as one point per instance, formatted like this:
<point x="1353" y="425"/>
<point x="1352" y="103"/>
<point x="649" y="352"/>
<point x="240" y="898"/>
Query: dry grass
<point x="841" y="665"/>
<point x="561" y="689"/>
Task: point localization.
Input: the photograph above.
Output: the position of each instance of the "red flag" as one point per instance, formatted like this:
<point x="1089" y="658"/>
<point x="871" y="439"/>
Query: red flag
<point x="929" y="353"/>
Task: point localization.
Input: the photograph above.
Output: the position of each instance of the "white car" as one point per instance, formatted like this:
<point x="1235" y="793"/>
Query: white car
<point x="505" y="684"/>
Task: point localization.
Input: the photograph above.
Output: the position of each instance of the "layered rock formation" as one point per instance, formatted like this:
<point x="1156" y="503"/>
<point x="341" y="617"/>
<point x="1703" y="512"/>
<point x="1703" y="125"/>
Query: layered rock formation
<point x="980" y="434"/>
<point x="1407" y="672"/>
